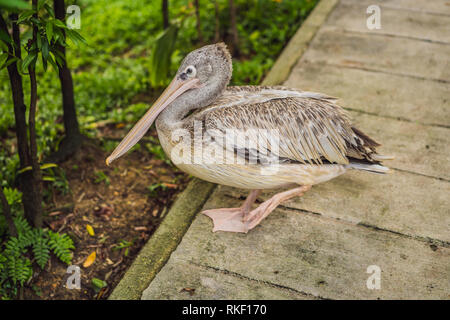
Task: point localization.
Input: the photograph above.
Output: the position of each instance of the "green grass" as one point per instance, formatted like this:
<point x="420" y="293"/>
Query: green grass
<point x="115" y="67"/>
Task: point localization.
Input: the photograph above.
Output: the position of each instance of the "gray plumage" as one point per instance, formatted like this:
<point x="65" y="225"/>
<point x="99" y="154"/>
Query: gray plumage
<point x="289" y="137"/>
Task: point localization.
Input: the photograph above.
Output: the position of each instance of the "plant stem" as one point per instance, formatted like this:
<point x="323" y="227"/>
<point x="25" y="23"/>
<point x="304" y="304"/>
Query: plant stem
<point x="197" y="15"/>
<point x="17" y="91"/>
<point x="15" y="79"/>
<point x="165" y="13"/>
<point x="234" y="32"/>
<point x="72" y="141"/>
<point x="36" y="171"/>
<point x="217" y="24"/>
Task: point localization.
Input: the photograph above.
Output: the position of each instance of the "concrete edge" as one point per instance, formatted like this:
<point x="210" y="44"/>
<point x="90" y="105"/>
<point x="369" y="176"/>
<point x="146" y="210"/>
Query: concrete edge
<point x="165" y="240"/>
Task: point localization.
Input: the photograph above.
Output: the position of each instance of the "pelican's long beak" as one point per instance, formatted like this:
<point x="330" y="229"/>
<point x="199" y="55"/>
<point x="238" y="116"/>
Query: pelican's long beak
<point x="174" y="90"/>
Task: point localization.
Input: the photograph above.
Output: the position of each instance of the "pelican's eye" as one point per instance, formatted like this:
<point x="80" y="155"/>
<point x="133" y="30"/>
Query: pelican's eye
<point x="191" y="71"/>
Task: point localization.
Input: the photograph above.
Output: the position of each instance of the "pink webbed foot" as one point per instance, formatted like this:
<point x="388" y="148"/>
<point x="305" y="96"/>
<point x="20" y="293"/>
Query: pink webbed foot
<point x="242" y="219"/>
<point x="228" y="219"/>
<point x="232" y="219"/>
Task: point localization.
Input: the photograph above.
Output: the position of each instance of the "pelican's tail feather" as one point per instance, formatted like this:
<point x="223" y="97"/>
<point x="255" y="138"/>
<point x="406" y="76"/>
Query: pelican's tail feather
<point x="375" y="168"/>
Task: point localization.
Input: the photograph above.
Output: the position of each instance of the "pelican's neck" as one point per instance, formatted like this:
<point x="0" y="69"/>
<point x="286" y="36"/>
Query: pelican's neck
<point x="172" y="117"/>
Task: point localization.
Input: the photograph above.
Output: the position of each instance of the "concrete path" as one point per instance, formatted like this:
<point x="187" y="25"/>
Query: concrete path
<point x="395" y="82"/>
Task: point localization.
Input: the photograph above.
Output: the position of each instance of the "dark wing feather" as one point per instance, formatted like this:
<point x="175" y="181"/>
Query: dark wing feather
<point x="311" y="127"/>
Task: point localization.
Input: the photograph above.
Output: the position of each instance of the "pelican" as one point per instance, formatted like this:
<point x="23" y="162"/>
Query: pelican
<point x="311" y="138"/>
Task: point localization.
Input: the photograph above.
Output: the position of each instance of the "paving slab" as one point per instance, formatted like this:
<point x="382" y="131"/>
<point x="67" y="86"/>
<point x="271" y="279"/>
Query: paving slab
<point x="352" y="16"/>
<point x="326" y="258"/>
<point x="436" y="7"/>
<point x="387" y="95"/>
<point x="417" y="148"/>
<point x="380" y="53"/>
<point x="189" y="281"/>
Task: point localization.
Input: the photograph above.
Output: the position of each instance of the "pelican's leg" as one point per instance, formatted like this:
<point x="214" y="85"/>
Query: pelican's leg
<point x="231" y="219"/>
<point x="254" y="217"/>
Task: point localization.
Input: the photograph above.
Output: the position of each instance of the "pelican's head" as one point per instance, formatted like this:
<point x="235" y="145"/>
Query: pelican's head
<point x="210" y="64"/>
<point x="203" y="75"/>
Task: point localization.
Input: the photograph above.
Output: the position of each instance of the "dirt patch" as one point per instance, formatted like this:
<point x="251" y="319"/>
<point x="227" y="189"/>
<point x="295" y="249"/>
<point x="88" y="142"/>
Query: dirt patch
<point x="124" y="205"/>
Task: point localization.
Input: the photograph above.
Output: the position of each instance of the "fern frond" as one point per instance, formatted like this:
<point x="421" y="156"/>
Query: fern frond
<point x="19" y="269"/>
<point x="61" y="246"/>
<point x="22" y="225"/>
<point x="14" y="248"/>
<point x="41" y="248"/>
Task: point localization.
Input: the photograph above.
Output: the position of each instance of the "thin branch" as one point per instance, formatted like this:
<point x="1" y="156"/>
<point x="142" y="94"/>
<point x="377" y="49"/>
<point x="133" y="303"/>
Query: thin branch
<point x="17" y="91"/>
<point x="165" y="13"/>
<point x="217" y="22"/>
<point x="234" y="32"/>
<point x="197" y="15"/>
<point x="73" y="139"/>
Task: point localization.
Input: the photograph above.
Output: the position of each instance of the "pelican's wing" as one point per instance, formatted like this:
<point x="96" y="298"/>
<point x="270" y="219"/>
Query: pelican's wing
<point x="292" y="125"/>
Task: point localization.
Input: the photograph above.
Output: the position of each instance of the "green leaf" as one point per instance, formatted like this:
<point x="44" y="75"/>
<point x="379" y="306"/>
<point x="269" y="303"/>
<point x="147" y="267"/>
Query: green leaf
<point x="41" y="249"/>
<point x="49" y="30"/>
<point x="20" y="69"/>
<point x="60" y="24"/>
<point x="39" y="41"/>
<point x="27" y="168"/>
<point x="48" y="178"/>
<point x="3" y="58"/>
<point x="40" y="4"/>
<point x="30" y="59"/>
<point x="14" y="4"/>
<point x="59" y="57"/>
<point x="98" y="284"/>
<point x="48" y="165"/>
<point x="44" y="62"/>
<point x="61" y="246"/>
<point x="3" y="46"/>
<point x="49" y="10"/>
<point x="161" y="55"/>
<point x="52" y="62"/>
<point x="45" y="49"/>
<point x="11" y="61"/>
<point x="58" y="33"/>
<point x="75" y="36"/>
<point x="25" y="15"/>
<point x="5" y="37"/>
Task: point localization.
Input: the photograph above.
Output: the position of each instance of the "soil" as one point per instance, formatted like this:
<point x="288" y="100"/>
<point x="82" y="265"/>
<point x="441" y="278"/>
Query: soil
<point x="124" y="207"/>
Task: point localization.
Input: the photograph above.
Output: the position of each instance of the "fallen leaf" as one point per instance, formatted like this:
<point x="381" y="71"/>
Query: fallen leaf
<point x="170" y="185"/>
<point x="55" y="225"/>
<point x="90" y="230"/>
<point x="191" y="291"/>
<point x="55" y="213"/>
<point x="90" y="259"/>
<point x="98" y="284"/>
<point x="104" y="210"/>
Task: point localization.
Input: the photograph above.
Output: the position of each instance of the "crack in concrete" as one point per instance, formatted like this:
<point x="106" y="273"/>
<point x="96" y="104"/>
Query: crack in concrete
<point x="391" y="35"/>
<point x="381" y="71"/>
<point x="275" y="285"/>
<point x="428" y="240"/>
